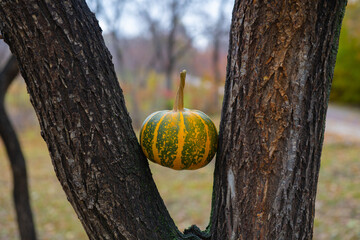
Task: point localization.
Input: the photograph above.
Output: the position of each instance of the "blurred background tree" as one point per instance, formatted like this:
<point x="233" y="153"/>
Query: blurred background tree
<point x="346" y="84"/>
<point x="169" y="36"/>
<point x="151" y="51"/>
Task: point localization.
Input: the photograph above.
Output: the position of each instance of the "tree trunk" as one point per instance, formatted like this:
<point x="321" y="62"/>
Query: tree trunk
<point x="280" y="67"/>
<point x="217" y="76"/>
<point x="171" y="60"/>
<point x="216" y="37"/>
<point x="83" y="119"/>
<point x="281" y="60"/>
<point x="17" y="161"/>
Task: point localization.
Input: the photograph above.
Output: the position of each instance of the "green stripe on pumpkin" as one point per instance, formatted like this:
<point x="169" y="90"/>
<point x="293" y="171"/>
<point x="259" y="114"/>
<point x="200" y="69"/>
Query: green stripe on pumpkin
<point x="148" y="132"/>
<point x="167" y="139"/>
<point x="213" y="134"/>
<point x="195" y="141"/>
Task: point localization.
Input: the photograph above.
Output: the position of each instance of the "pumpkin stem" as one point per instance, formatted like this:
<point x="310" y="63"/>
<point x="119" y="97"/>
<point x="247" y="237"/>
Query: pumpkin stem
<point x="179" y="100"/>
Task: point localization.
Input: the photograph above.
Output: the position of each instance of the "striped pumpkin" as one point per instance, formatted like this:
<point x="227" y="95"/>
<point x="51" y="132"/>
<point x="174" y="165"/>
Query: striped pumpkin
<point x="180" y="138"/>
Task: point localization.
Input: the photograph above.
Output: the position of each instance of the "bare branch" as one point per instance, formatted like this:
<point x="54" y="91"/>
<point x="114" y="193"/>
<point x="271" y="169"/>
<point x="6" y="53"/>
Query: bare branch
<point x="17" y="161"/>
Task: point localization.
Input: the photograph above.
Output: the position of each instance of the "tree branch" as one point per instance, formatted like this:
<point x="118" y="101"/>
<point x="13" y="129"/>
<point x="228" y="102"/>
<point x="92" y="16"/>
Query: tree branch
<point x="7" y="76"/>
<point x="16" y="157"/>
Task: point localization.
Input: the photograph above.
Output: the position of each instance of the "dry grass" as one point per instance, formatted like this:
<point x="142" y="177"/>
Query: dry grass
<point x="338" y="198"/>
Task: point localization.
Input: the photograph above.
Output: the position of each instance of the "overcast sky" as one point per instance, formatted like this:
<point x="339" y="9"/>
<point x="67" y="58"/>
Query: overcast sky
<point x="131" y="26"/>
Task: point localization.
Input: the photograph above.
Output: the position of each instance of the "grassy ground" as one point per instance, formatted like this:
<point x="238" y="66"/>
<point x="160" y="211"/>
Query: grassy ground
<point x="338" y="199"/>
<point x="187" y="194"/>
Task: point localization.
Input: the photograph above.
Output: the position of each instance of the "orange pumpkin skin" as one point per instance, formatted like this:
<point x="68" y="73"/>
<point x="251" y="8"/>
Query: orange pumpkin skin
<point x="179" y="140"/>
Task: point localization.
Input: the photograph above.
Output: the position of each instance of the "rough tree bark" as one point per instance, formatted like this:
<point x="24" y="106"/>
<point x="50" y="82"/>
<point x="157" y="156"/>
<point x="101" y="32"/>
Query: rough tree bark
<point x="83" y="119"/>
<point x="280" y="68"/>
<point x="281" y="59"/>
<point x="17" y="161"/>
